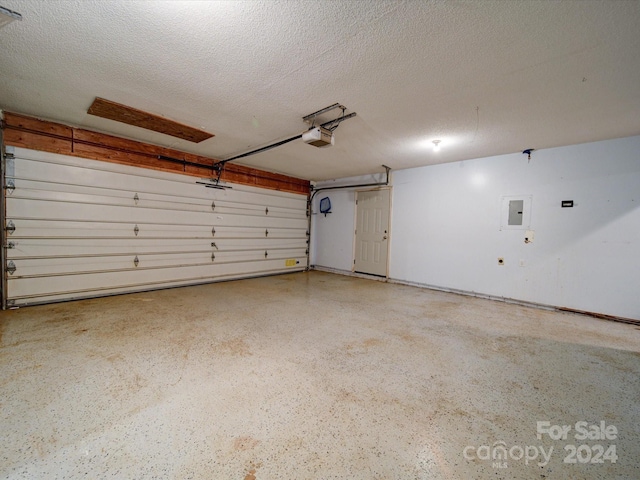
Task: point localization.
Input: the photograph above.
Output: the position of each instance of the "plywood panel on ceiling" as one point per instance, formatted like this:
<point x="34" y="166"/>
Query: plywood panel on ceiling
<point x="139" y="118"/>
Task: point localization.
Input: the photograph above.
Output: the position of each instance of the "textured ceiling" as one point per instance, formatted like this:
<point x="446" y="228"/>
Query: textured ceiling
<point x="485" y="77"/>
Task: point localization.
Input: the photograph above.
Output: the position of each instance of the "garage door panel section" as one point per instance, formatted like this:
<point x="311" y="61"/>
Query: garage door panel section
<point x="101" y="179"/>
<point x="28" y="208"/>
<point x="31" y="229"/>
<point x="76" y="248"/>
<point x="48" y="267"/>
<point x="31" y="290"/>
<point x="159" y="202"/>
<point x="79" y="228"/>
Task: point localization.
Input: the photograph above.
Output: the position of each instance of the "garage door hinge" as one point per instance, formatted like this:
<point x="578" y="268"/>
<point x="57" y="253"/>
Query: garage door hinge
<point x="136" y="198"/>
<point x="213" y="231"/>
<point x="266" y="211"/>
<point x="10" y="245"/>
<point x="265" y="254"/>
<point x="136" y="230"/>
<point x="213" y="256"/>
<point x="10" y="228"/>
<point x="266" y="233"/>
<point x="10" y="186"/>
<point x="213" y="206"/>
<point x="11" y="267"/>
<point x="9" y="156"/>
<point x="136" y="261"/>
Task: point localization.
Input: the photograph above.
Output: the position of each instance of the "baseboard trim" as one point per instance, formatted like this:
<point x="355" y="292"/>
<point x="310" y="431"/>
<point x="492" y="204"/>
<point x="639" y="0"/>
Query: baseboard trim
<point x="348" y="273"/>
<point x="467" y="293"/>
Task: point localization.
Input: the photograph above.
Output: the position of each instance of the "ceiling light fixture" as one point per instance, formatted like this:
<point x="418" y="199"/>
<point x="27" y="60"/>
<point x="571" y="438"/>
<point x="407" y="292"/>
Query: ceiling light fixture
<point x="436" y="145"/>
<point x="7" y="16"/>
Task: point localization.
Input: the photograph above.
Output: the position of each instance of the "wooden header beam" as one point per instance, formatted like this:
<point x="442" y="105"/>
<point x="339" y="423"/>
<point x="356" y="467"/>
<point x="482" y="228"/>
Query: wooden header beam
<point x="28" y="132"/>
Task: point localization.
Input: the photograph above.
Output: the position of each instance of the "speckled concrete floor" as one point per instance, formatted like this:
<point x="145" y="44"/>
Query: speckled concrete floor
<point x="312" y="376"/>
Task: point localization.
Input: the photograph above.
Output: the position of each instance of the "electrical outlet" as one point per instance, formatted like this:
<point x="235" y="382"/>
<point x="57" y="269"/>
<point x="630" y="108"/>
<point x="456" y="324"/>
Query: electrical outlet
<point x="528" y="236"/>
<point x="500" y="261"/>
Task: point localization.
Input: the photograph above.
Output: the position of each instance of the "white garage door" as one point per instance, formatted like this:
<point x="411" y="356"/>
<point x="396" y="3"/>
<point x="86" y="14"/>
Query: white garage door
<point x="80" y="228"/>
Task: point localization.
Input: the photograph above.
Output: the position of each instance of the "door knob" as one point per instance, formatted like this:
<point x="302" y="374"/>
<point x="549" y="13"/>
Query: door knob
<point x="384" y="238"/>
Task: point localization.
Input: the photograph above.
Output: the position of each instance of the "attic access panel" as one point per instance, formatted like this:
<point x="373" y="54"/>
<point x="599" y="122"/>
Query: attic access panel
<point x="138" y="118"/>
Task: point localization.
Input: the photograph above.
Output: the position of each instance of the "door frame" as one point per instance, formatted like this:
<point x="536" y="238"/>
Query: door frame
<point x="3" y="214"/>
<point x="355" y="223"/>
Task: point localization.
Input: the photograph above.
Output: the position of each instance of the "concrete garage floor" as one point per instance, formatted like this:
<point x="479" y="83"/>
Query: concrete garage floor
<point x="313" y="376"/>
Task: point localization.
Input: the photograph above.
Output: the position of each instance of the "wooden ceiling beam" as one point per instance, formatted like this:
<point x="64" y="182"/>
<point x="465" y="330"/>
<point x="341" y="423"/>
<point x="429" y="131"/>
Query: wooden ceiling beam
<point x="138" y="118"/>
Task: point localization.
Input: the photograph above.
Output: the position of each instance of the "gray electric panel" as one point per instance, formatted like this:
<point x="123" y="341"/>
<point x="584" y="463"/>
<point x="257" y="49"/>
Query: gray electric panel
<point x="515" y="212"/>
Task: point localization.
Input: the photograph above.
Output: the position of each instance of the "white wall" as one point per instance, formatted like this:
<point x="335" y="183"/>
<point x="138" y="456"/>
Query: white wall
<point x="446" y="227"/>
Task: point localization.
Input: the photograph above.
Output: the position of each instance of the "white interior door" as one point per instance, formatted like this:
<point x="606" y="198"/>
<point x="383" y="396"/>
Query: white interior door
<point x="372" y="232"/>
